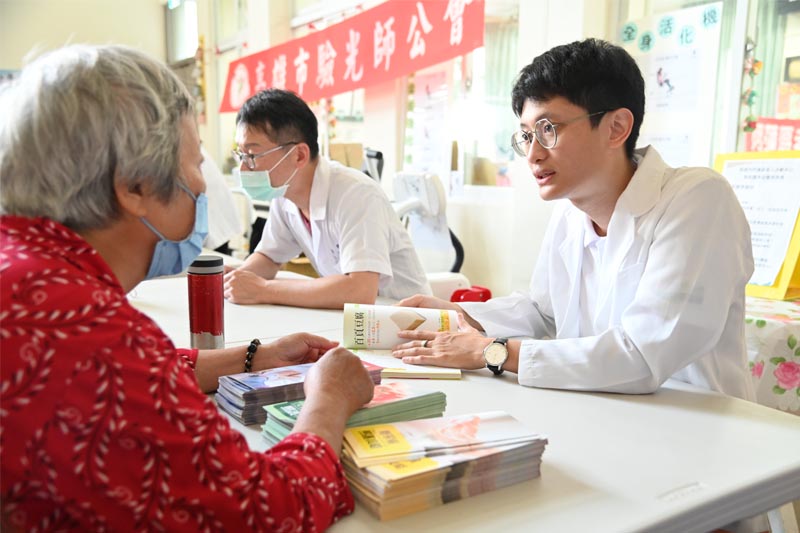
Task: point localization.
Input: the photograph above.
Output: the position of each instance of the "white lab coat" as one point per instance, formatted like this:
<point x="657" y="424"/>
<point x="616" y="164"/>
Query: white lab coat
<point x="353" y="229"/>
<point x="671" y="301"/>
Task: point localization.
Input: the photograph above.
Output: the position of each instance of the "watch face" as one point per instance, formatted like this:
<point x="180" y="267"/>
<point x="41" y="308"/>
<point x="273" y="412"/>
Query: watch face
<point x="495" y="354"/>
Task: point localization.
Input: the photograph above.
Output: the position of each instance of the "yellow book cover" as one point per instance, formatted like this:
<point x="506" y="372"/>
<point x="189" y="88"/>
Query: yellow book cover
<point x="380" y="444"/>
<point x="377" y="440"/>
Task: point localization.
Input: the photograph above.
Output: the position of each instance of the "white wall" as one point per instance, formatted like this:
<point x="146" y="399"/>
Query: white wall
<point x="384" y="119"/>
<point x="49" y="24"/>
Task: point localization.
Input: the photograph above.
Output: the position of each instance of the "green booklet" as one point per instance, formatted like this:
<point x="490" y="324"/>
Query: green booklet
<point x="392" y="402"/>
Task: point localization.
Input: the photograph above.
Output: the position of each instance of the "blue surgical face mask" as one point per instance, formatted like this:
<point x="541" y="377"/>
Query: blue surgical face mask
<point x="258" y="184"/>
<point x="173" y="257"/>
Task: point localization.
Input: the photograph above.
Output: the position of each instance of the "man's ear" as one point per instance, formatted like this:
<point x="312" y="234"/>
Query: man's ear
<point x="303" y="155"/>
<point x="620" y="124"/>
<point x="130" y="198"/>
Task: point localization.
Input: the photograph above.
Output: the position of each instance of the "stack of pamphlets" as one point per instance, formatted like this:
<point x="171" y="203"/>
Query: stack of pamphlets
<point x="371" y="332"/>
<point x="243" y="396"/>
<point x="406" y="467"/>
<point x="392" y="402"/>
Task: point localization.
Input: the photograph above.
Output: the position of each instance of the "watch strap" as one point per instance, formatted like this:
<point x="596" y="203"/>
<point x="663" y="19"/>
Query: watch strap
<point x="496" y="370"/>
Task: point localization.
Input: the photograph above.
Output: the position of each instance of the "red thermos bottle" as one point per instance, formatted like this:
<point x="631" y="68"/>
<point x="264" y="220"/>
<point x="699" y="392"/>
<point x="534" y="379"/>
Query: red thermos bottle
<point x="206" y="302"/>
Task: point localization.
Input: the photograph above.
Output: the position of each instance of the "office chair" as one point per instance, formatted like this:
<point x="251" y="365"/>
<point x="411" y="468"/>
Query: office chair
<point x="420" y="201"/>
<point x="373" y="164"/>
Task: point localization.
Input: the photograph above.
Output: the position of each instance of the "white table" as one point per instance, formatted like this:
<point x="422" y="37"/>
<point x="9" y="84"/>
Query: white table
<point x="166" y="300"/>
<point x="683" y="459"/>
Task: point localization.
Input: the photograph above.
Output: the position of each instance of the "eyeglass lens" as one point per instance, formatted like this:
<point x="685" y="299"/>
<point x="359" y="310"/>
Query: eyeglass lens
<point x="249" y="159"/>
<point x="545" y="134"/>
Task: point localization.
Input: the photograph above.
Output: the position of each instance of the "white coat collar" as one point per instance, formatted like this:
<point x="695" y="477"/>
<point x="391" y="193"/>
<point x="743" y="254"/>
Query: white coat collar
<point x="644" y="189"/>
<point x="638" y="198"/>
<point x="590" y="236"/>
<point x="318" y="199"/>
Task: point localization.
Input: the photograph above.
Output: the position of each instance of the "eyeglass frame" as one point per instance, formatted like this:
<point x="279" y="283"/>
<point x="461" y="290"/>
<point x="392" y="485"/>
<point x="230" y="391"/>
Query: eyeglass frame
<point x="250" y="159"/>
<point x="515" y="146"/>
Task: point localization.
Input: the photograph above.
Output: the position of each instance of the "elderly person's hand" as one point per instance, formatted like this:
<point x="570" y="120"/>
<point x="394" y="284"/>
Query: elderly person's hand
<point x="294" y="349"/>
<point x="340" y="374"/>
<point x="335" y="387"/>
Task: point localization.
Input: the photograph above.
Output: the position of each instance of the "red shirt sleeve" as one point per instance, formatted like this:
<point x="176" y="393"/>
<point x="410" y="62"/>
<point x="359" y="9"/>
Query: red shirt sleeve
<point x="189" y="355"/>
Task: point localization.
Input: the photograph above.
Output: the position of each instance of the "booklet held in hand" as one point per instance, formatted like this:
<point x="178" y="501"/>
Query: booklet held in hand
<point x="376" y="326"/>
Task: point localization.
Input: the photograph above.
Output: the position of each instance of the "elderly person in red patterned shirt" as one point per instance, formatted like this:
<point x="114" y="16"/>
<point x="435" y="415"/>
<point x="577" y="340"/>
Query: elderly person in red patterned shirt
<point x="104" y="423"/>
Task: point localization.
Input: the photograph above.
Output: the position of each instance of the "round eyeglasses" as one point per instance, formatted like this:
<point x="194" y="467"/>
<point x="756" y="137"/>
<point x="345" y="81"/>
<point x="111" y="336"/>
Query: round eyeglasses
<point x="250" y="159"/>
<point x="545" y="133"/>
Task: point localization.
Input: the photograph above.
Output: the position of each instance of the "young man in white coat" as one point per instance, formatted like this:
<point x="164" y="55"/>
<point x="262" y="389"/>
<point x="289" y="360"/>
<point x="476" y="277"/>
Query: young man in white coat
<point x="642" y="271"/>
<point x="337" y="216"/>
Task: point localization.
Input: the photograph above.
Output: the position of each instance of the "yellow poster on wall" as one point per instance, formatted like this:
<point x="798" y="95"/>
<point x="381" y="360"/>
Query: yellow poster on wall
<point x="768" y="187"/>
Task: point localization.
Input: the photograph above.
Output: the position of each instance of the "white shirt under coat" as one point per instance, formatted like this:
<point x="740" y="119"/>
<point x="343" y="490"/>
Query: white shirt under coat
<point x="665" y="291"/>
<point x="353" y="229"/>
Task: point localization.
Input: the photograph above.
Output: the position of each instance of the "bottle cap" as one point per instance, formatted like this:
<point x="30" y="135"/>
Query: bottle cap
<point x="206" y="264"/>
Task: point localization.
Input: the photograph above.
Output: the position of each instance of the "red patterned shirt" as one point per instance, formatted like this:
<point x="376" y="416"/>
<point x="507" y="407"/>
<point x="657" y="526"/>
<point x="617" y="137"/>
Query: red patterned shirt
<point x="103" y="426"/>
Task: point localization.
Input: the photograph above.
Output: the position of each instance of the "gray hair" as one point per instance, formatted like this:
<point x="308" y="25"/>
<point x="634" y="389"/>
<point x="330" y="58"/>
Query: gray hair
<point x="80" y="118"/>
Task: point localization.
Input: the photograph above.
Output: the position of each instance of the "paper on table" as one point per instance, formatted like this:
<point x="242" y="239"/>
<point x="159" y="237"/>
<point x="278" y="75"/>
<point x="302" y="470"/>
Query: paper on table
<point x="396" y="368"/>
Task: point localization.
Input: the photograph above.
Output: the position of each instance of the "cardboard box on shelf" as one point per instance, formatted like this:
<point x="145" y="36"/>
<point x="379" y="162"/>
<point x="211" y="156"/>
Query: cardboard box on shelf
<point x="348" y="154"/>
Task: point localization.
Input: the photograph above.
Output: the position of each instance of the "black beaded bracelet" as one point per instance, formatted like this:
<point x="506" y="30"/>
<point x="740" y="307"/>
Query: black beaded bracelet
<point x="251" y="351"/>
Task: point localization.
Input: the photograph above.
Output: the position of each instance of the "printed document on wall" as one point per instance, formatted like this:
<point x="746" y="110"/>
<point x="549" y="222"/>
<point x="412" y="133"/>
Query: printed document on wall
<point x="677" y="53"/>
<point x="768" y="190"/>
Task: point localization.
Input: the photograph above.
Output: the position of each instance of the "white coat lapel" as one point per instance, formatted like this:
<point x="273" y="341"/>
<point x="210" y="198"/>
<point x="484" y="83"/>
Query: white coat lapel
<point x="620" y="235"/>
<point x="566" y="310"/>
<point x="638" y="198"/>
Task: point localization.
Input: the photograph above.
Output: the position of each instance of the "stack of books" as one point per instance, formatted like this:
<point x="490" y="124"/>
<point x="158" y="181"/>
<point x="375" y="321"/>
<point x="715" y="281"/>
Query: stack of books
<point x="406" y="467"/>
<point x="392" y="402"/>
<point x="244" y="396"/>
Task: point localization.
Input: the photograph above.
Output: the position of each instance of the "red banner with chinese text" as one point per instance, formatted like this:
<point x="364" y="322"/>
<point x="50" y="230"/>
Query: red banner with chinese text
<point x="383" y="43"/>
<point x="773" y="134"/>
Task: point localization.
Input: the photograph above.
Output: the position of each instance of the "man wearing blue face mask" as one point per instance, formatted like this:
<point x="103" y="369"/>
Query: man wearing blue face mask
<point x="337" y="216"/>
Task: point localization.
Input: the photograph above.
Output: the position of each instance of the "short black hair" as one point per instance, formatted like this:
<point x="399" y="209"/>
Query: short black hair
<point x="282" y="116"/>
<point x="593" y="74"/>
